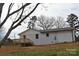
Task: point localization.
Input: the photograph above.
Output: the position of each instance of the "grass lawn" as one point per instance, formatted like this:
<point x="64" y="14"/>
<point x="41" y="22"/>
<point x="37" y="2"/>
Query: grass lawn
<point x="50" y="50"/>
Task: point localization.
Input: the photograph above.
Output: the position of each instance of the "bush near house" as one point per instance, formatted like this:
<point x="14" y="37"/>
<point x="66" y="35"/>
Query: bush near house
<point x="77" y="39"/>
<point x="7" y="43"/>
<point x="26" y="44"/>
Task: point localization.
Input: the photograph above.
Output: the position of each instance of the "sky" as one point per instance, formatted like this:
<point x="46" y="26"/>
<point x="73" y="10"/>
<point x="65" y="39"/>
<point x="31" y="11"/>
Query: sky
<point x="50" y="10"/>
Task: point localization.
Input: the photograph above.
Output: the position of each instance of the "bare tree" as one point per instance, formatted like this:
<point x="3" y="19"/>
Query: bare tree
<point x="60" y="23"/>
<point x="45" y="22"/>
<point x="1" y="29"/>
<point x="10" y="14"/>
<point x="18" y="20"/>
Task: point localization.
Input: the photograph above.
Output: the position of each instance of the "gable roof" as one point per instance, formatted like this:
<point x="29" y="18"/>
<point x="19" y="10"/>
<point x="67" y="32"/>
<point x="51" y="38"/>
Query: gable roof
<point x="28" y="30"/>
<point x="51" y="30"/>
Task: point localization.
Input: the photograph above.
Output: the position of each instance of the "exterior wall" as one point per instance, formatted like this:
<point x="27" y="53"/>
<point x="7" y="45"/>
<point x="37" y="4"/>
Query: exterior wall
<point x="54" y="37"/>
<point x="65" y="36"/>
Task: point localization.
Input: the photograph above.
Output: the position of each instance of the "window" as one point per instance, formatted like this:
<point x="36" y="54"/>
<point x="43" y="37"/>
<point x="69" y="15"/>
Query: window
<point x="47" y="34"/>
<point x="24" y="36"/>
<point x="55" y="38"/>
<point x="37" y="36"/>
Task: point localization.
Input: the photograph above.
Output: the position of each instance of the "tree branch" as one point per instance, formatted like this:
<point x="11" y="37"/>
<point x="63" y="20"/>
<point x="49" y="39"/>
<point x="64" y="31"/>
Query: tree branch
<point x="25" y="16"/>
<point x="6" y="16"/>
<point x="13" y="13"/>
<point x="19" y="16"/>
<point x="21" y="8"/>
<point x="10" y="6"/>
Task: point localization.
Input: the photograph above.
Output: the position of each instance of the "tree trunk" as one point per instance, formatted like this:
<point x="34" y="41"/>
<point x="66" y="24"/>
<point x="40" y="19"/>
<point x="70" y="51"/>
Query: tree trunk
<point x="7" y="34"/>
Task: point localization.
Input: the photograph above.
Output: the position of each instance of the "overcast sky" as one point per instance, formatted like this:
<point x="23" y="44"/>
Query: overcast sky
<point x="51" y="10"/>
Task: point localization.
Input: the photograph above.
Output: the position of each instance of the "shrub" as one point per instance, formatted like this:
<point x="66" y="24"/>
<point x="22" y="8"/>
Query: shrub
<point x="27" y="44"/>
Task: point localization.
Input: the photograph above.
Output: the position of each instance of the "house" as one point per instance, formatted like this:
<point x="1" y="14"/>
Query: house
<point x="43" y="37"/>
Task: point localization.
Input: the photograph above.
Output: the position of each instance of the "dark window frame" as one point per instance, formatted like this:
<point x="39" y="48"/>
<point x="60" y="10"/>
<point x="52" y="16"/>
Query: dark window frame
<point x="47" y="34"/>
<point x="37" y="36"/>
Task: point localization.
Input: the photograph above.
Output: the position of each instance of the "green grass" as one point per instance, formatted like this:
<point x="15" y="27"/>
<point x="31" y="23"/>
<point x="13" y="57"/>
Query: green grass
<point x="49" y="52"/>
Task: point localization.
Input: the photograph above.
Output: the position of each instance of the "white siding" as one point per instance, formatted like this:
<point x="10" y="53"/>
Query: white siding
<point x="63" y="36"/>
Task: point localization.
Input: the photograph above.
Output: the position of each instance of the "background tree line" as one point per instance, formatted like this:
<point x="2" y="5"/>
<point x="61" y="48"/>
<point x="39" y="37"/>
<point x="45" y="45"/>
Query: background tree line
<point x="57" y="22"/>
